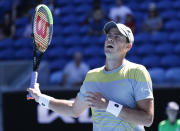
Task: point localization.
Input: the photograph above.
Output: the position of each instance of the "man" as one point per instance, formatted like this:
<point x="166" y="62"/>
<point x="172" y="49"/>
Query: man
<point x="172" y="124"/>
<point x="119" y="93"/>
<point x="153" y="23"/>
<point x="96" y="23"/>
<point x="75" y="71"/>
<point x="119" y="12"/>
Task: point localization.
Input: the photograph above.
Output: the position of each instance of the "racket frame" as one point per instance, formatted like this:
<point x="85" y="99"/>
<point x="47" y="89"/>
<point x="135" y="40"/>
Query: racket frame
<point x="36" y="62"/>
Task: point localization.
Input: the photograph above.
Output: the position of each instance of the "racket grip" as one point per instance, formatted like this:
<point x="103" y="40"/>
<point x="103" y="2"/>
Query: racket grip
<point x="34" y="79"/>
<point x="33" y="82"/>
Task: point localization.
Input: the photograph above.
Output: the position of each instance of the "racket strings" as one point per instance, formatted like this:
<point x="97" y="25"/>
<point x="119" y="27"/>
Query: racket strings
<point x="42" y="33"/>
<point x="42" y="30"/>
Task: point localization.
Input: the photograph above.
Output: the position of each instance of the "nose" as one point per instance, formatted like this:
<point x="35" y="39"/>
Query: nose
<point x="109" y="39"/>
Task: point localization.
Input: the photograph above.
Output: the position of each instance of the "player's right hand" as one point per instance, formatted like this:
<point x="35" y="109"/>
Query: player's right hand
<point x="35" y="92"/>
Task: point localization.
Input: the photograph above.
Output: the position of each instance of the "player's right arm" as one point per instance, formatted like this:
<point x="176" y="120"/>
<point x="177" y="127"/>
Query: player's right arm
<point x="63" y="107"/>
<point x="67" y="107"/>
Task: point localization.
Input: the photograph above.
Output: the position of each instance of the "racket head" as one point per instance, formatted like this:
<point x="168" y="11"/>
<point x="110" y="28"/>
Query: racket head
<point x="42" y="27"/>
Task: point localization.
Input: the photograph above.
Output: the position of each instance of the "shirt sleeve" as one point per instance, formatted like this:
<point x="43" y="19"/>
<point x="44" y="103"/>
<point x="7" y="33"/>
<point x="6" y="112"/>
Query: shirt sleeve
<point x="143" y="84"/>
<point x="85" y="69"/>
<point x="159" y="128"/>
<point x="112" y="14"/>
<point x="87" y="86"/>
<point x="67" y="68"/>
<point x="128" y="10"/>
<point x="161" y="125"/>
<point x="82" y="93"/>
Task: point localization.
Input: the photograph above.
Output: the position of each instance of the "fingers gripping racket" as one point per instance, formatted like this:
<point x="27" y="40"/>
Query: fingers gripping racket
<point x="42" y="27"/>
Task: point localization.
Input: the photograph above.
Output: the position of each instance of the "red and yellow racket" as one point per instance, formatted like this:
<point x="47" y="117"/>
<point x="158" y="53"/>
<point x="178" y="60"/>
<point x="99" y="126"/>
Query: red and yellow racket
<point x="42" y="27"/>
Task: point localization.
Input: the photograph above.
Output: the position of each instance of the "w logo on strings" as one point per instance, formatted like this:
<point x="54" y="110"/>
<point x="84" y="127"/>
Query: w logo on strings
<point x="41" y="27"/>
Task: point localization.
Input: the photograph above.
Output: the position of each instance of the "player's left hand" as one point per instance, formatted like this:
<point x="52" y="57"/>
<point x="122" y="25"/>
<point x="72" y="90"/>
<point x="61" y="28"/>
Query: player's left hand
<point x="97" y="100"/>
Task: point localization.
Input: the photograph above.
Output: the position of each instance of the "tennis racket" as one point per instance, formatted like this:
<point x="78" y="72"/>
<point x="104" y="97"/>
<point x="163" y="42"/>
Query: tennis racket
<point x="42" y="30"/>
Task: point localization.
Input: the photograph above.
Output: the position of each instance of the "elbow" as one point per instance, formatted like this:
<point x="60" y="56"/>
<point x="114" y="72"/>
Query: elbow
<point x="149" y="120"/>
<point x="75" y="114"/>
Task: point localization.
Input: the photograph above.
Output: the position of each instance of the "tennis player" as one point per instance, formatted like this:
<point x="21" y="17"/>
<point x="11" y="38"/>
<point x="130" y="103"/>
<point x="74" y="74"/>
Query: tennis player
<point x="119" y="93"/>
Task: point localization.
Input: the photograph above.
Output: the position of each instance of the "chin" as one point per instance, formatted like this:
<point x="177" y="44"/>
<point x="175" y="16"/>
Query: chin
<point x="109" y="55"/>
<point x="107" y="52"/>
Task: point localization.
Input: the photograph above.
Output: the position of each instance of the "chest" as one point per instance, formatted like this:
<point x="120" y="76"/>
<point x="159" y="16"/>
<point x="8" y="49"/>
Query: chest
<point x="75" y="71"/>
<point x="171" y="128"/>
<point x="120" y="91"/>
<point x="152" y="22"/>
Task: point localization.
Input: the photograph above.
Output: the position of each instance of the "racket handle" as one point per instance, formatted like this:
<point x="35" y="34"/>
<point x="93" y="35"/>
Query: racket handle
<point x="33" y="82"/>
<point x="34" y="79"/>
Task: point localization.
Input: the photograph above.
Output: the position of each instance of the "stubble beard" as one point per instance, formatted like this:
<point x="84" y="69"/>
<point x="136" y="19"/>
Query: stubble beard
<point x="112" y="54"/>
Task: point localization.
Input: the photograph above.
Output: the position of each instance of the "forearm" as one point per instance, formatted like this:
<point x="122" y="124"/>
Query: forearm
<point x="136" y="116"/>
<point x="63" y="107"/>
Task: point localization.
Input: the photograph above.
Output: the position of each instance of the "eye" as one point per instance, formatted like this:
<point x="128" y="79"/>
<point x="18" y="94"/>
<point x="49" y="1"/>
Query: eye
<point x="116" y="37"/>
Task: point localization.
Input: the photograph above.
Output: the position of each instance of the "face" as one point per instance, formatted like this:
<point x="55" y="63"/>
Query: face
<point x="116" y="44"/>
<point x="152" y="13"/>
<point x="172" y="114"/>
<point x="77" y="57"/>
<point x="128" y="18"/>
<point x="118" y="2"/>
<point x="7" y="18"/>
<point x="98" y="15"/>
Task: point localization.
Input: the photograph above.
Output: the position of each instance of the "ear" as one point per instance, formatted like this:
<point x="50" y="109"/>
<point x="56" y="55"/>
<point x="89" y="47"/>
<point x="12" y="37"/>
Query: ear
<point x="129" y="46"/>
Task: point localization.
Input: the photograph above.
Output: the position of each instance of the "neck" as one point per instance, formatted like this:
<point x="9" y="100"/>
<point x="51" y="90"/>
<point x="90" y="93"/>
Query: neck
<point x="172" y="122"/>
<point x="113" y="63"/>
<point x="77" y="64"/>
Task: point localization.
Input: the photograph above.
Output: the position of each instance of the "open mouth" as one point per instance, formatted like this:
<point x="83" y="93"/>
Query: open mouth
<point x="109" y="46"/>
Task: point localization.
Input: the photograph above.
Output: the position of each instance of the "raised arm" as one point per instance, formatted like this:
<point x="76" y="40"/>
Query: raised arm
<point x="63" y="107"/>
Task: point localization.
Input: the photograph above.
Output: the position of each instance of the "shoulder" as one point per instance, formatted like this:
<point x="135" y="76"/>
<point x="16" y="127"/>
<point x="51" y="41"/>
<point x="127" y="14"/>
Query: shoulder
<point x="131" y="64"/>
<point x="178" y="122"/>
<point x="69" y="65"/>
<point x="94" y="73"/>
<point x="137" y="71"/>
<point x="125" y="8"/>
<point x="113" y="8"/>
<point x="134" y="67"/>
<point x="158" y="18"/>
<point x="96" y="70"/>
<point x="84" y="65"/>
<point x="162" y="123"/>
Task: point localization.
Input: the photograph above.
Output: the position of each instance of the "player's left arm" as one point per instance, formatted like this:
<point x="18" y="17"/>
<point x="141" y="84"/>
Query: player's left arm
<point x="142" y="115"/>
<point x="144" y="112"/>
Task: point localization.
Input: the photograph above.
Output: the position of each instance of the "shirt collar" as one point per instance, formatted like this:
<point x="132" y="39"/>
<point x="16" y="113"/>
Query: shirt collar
<point x="115" y="70"/>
